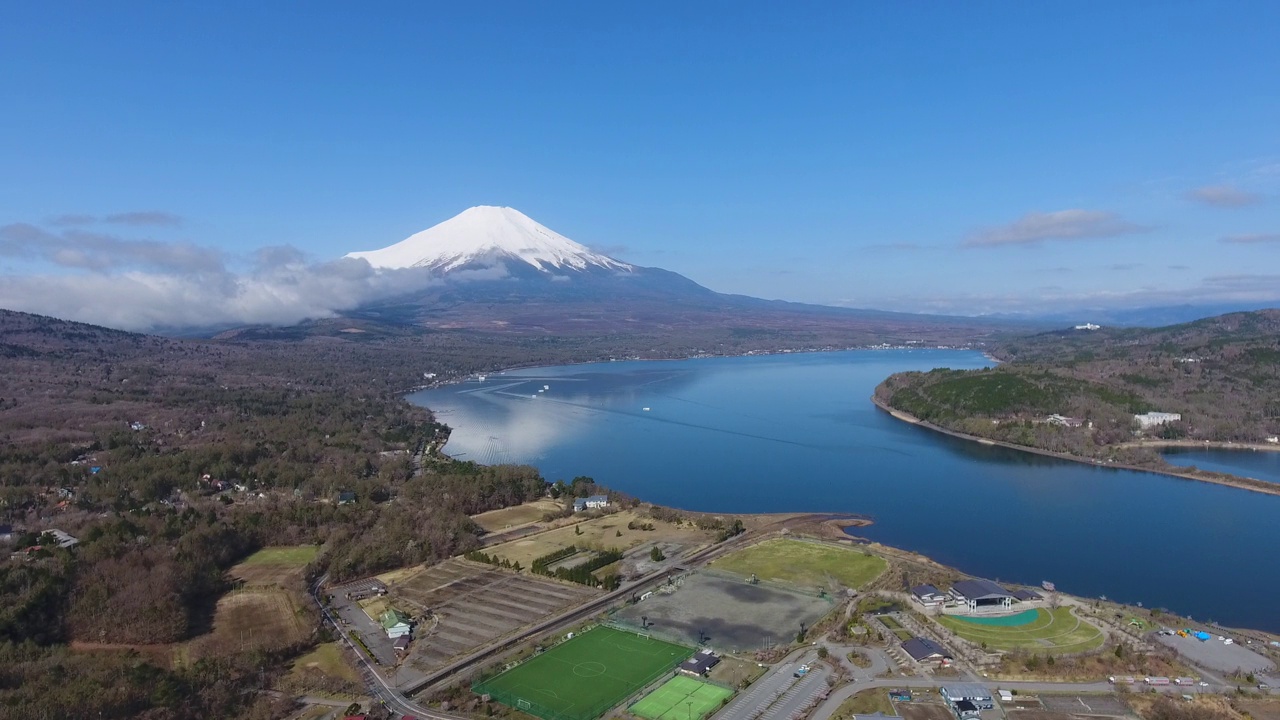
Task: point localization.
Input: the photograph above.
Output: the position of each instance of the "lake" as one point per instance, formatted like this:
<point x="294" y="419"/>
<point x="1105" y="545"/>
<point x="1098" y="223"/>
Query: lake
<point x="1257" y="464"/>
<point x="798" y="433"/>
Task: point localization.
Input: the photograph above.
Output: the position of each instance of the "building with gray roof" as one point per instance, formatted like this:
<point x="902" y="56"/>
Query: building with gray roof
<point x="981" y="593"/>
<point x="925" y="650"/>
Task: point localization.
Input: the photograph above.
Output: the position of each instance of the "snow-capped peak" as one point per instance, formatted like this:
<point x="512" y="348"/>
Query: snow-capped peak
<point x="484" y="236"/>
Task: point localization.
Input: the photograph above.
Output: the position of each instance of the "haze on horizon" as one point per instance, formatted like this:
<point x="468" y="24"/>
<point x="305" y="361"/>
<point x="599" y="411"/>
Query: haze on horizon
<point x="178" y="164"/>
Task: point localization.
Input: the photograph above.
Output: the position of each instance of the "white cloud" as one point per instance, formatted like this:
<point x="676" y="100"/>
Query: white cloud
<point x="1036" y="227"/>
<point x="139" y="284"/>
<point x="1224" y="196"/>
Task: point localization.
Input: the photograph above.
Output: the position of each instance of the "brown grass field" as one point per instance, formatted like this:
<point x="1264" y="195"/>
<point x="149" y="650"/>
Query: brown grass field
<point x="507" y="518"/>
<point x="327" y="659"/>
<point x="256" y="618"/>
<point x="609" y="531"/>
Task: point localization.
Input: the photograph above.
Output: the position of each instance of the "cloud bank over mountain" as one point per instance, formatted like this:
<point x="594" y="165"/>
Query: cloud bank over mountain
<point x="146" y="284"/>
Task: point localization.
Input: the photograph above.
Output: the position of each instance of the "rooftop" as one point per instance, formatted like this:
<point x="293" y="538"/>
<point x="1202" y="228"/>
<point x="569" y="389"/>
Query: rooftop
<point x="391" y="618"/>
<point x="923" y="648"/>
<point x="965" y="690"/>
<point x="979" y="589"/>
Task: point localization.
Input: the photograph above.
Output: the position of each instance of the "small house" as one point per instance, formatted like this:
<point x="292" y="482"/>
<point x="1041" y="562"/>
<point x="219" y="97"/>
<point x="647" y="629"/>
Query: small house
<point x="928" y="595"/>
<point x="966" y="709"/>
<point x="974" y="693"/>
<point x="1026" y="595"/>
<point x="899" y="695"/>
<point x="597" y="502"/>
<point x="346" y="497"/>
<point x="401" y="644"/>
<point x="700" y="664"/>
<point x="395" y="623"/>
<point x="65" y="540"/>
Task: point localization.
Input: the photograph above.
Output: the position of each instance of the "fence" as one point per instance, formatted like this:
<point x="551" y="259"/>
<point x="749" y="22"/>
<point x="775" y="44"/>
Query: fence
<point x="538" y="709"/>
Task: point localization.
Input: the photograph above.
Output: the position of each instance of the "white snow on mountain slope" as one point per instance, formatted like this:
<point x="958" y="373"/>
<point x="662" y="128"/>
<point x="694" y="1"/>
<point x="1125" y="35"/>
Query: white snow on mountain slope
<point x="485" y="236"/>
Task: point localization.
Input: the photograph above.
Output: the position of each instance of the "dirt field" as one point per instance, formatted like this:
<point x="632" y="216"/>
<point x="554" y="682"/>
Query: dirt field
<point x="327" y="659"/>
<point x="734" y="672"/>
<point x="1108" y="705"/>
<point x="1260" y="709"/>
<point x="261" y="618"/>
<point x="733" y="614"/>
<point x="1037" y="715"/>
<point x="474" y="605"/>
<point x="507" y="518"/>
<point x="609" y="531"/>
<point x="866" y="702"/>
<point x="924" y="711"/>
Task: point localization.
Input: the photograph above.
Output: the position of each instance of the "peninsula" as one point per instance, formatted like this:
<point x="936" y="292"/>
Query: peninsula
<point x="1114" y="397"/>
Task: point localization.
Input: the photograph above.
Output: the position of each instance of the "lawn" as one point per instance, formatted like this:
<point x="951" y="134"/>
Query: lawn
<point x="284" y="555"/>
<point x="1055" y="631"/>
<point x="681" y="698"/>
<point x="327" y="659"/>
<point x="802" y="563"/>
<point x="867" y="702"/>
<point x="505" y="518"/>
<point x="582" y="678"/>
<point x="609" y="531"/>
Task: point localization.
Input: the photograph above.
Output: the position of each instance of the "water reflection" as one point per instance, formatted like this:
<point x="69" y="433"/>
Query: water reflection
<point x="797" y="433"/>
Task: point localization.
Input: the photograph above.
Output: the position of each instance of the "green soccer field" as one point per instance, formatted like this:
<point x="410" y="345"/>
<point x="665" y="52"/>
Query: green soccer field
<point x="582" y="678"/>
<point x="1053" y="631"/>
<point x="681" y="698"/>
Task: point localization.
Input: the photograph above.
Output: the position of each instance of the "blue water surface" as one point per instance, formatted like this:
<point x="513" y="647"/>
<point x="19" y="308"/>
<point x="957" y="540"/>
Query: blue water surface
<point x="798" y="433"/>
<point x="1257" y="464"/>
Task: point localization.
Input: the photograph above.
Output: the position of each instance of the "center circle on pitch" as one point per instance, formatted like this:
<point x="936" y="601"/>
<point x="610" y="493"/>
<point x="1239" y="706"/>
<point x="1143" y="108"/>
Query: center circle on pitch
<point x="588" y="669"/>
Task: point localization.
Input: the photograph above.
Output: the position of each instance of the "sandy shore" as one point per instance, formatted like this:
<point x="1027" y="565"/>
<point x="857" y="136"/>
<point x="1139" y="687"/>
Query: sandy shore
<point x="1199" y="445"/>
<point x="1242" y="483"/>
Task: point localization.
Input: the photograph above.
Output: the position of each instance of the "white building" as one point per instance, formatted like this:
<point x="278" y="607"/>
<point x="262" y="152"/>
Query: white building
<point x="1152" y="419"/>
<point x="595" y="502"/>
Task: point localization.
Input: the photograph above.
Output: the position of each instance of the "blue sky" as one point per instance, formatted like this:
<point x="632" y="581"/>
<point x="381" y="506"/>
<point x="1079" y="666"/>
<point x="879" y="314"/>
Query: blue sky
<point x="964" y="157"/>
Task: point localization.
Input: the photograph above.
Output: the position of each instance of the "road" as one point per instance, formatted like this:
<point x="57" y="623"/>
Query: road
<point x="383" y="693"/>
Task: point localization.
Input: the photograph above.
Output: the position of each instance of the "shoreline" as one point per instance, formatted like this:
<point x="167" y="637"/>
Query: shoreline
<point x="753" y="353"/>
<point x="404" y="394"/>
<point x="1233" y="481"/>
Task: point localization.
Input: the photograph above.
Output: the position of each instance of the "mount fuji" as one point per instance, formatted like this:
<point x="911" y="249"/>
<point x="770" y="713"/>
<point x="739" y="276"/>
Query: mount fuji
<point x="484" y="237"/>
<point x="496" y="269"/>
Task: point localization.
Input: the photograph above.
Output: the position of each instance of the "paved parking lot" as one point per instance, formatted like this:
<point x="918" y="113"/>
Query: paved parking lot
<point x="778" y="694"/>
<point x="1214" y="654"/>
<point x="371" y="634"/>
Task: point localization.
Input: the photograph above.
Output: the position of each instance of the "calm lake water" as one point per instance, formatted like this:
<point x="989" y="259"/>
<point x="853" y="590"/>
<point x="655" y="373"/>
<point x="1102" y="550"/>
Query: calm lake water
<point x="798" y="433"/>
<point x="1259" y="465"/>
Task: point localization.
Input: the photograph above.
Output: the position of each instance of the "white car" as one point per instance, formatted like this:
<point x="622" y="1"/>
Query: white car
<point x="1204" y="684"/>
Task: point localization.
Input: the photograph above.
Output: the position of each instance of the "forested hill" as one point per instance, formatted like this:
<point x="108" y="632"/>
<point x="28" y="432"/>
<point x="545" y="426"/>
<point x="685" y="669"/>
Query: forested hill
<point x="172" y="460"/>
<point x="1221" y="374"/>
